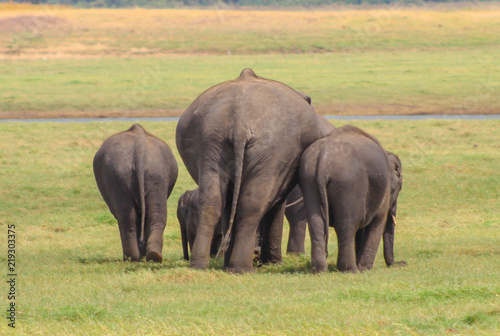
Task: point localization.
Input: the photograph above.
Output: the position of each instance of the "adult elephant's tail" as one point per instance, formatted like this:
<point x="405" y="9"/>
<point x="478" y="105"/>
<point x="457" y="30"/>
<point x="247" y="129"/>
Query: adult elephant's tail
<point x="239" y="144"/>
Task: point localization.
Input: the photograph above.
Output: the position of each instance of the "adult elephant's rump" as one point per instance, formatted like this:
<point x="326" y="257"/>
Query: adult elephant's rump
<point x="241" y="141"/>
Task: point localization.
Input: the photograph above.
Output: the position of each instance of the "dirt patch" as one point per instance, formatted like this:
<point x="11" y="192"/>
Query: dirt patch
<point x="396" y="109"/>
<point x="32" y="24"/>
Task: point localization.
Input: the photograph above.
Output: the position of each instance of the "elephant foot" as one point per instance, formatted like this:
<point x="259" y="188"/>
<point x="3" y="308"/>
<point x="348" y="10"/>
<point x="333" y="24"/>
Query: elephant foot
<point x="239" y="270"/>
<point x="131" y="258"/>
<point x="362" y="268"/>
<point x="295" y="252"/>
<point x="321" y="268"/>
<point x="400" y="263"/>
<point x="154" y="256"/>
<point x="272" y="261"/>
<point x="198" y="265"/>
<point x="352" y="269"/>
<point x="271" y="258"/>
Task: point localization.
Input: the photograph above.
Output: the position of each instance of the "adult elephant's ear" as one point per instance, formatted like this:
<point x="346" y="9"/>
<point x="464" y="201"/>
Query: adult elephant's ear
<point x="306" y="97"/>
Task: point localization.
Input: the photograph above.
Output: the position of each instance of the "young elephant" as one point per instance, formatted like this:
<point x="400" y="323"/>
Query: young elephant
<point x="187" y="214"/>
<point x="135" y="173"/>
<point x="351" y="183"/>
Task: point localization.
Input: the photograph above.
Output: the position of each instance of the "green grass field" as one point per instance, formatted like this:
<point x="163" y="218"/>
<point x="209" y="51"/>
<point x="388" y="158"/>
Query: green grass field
<point x="391" y="60"/>
<point x="71" y="280"/>
<point x="78" y="63"/>
<point x="361" y="83"/>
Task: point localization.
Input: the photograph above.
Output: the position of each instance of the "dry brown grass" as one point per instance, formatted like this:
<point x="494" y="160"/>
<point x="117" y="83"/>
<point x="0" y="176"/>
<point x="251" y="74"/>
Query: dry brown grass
<point x="63" y="31"/>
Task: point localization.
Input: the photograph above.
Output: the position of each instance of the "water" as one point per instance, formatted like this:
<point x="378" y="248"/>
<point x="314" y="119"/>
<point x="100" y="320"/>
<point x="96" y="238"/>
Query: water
<point x="334" y="117"/>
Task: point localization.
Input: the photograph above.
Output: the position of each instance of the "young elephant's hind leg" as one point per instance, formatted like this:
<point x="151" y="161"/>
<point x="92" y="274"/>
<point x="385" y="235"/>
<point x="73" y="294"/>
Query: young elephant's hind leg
<point x="128" y="222"/>
<point x="156" y="218"/>
<point x="368" y="248"/>
<point x="318" y="228"/>
<point x="346" y="259"/>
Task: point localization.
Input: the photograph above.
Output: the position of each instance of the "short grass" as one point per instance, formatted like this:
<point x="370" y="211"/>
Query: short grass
<point x="450" y="81"/>
<point x="71" y="280"/>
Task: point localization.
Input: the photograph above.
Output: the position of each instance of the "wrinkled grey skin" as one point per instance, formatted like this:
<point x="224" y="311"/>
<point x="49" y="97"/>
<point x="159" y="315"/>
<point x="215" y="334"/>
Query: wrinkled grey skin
<point x="187" y="214"/>
<point x="135" y="173"/>
<point x="350" y="183"/>
<point x="241" y="142"/>
<point x="295" y="211"/>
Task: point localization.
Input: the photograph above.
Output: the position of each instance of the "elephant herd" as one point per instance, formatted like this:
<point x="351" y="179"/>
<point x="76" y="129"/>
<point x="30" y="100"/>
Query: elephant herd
<point x="257" y="151"/>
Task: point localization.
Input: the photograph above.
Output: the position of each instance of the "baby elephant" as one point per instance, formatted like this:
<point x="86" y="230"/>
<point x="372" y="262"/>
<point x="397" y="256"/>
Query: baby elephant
<point x="187" y="214"/>
<point x="135" y="173"/>
<point x="351" y="183"/>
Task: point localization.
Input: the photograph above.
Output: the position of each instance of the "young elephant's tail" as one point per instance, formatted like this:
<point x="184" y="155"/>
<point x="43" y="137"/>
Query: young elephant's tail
<point x="239" y="144"/>
<point x="140" y="180"/>
<point x="325" y="208"/>
<point x="300" y="200"/>
<point x="139" y="162"/>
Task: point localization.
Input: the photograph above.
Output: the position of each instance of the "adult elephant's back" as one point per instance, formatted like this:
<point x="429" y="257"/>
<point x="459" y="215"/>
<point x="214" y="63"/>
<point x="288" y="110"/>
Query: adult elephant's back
<point x="245" y="136"/>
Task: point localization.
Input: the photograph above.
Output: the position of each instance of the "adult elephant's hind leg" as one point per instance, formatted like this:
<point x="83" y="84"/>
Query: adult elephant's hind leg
<point x="297" y="233"/>
<point x="211" y="200"/>
<point x="316" y="217"/>
<point x="250" y="211"/>
<point x="272" y="234"/>
<point x="156" y="218"/>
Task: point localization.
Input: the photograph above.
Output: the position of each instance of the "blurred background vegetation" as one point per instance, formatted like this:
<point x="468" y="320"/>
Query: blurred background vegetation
<point x="249" y="3"/>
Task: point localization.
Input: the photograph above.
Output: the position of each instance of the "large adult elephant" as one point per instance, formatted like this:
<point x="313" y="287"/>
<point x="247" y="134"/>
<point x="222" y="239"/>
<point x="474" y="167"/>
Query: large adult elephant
<point x="351" y="183"/>
<point x="241" y="141"/>
<point x="135" y="173"/>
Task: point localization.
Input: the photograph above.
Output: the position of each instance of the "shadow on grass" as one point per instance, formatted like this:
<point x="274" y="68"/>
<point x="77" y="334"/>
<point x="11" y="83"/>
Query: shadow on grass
<point x="292" y="264"/>
<point x="98" y="260"/>
<point x="132" y="266"/>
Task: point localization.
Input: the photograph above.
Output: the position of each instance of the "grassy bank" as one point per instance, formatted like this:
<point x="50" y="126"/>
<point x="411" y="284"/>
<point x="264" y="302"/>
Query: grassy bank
<point x="71" y="279"/>
<point x="444" y="81"/>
